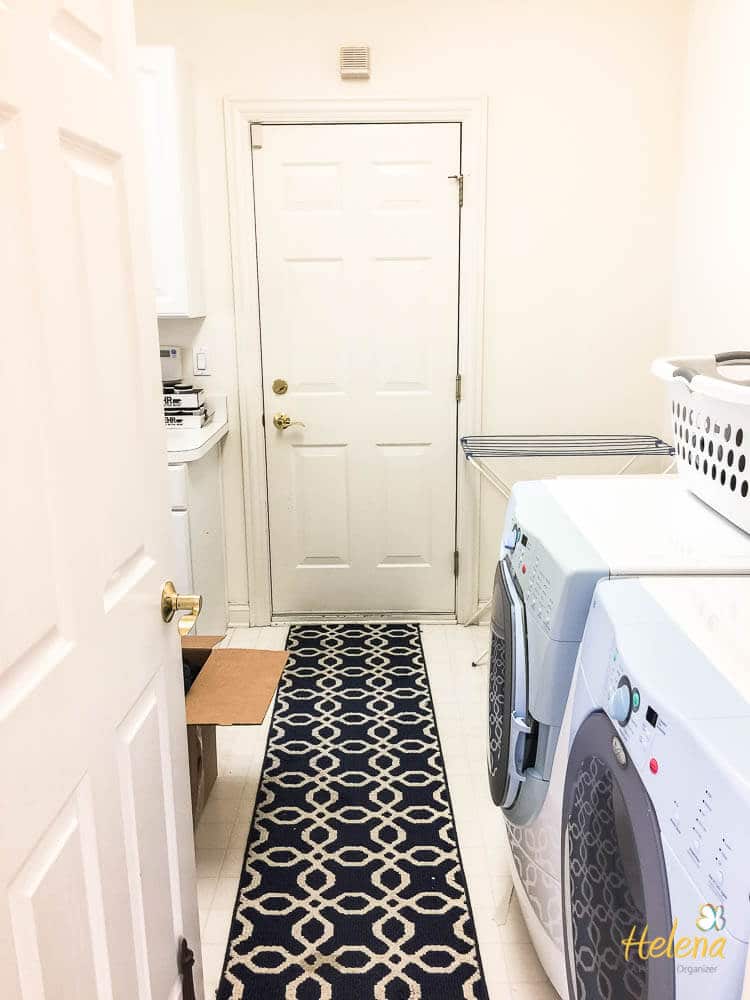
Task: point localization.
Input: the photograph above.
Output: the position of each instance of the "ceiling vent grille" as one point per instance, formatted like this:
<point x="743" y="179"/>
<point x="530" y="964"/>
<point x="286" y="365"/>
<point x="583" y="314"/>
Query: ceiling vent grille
<point x="354" y="62"/>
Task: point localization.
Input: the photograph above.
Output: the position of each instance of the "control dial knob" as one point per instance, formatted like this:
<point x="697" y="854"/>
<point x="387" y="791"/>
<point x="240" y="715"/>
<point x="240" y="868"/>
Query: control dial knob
<point x="621" y="702"/>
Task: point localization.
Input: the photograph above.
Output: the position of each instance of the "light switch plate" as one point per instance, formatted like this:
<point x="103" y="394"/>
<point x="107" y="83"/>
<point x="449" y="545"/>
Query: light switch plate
<point x="200" y="361"/>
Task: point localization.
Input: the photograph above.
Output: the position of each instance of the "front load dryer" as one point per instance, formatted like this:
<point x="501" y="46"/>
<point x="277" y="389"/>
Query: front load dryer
<point x="655" y="834"/>
<point x="561" y="537"/>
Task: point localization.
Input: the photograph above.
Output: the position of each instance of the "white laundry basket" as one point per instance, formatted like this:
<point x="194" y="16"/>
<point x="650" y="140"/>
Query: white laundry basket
<point x="711" y="424"/>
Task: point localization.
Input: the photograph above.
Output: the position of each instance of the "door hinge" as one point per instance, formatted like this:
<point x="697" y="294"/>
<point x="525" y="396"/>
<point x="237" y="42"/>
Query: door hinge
<point x="256" y="135"/>
<point x="263" y="420"/>
<point x="460" y="179"/>
<point x="455" y="563"/>
<point x="459" y="386"/>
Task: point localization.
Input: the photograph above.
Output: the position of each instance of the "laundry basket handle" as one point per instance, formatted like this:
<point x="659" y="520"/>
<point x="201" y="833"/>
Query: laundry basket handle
<point x="740" y="358"/>
<point x="688" y="374"/>
<point x="729" y="356"/>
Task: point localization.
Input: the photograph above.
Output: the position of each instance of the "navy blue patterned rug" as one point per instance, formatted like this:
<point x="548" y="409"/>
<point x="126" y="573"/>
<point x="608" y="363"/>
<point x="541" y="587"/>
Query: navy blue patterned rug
<point x="352" y="886"/>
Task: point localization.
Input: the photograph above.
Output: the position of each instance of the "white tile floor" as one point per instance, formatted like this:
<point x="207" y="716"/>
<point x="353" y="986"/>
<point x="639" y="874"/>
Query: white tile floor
<point x="510" y="964"/>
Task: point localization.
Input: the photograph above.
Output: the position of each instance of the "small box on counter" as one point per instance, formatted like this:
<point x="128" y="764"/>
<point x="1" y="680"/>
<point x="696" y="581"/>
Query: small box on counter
<point x="188" y="419"/>
<point x="183" y="397"/>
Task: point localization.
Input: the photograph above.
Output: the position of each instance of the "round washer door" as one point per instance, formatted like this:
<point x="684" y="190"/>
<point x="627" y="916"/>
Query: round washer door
<point x="507" y="723"/>
<point x="613" y="872"/>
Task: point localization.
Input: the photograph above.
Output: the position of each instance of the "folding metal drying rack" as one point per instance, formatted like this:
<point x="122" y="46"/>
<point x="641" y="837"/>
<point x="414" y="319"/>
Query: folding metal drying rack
<point x="479" y="447"/>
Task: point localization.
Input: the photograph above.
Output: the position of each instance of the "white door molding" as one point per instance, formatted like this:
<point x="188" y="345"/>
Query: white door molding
<point x="239" y="113"/>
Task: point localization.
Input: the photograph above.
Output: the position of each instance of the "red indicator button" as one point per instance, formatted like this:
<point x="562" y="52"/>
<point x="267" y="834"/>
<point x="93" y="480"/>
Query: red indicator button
<point x="523" y="568"/>
<point x="654" y="765"/>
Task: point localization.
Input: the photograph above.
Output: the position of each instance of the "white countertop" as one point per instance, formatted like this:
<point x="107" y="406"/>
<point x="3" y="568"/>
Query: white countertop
<point x="190" y="445"/>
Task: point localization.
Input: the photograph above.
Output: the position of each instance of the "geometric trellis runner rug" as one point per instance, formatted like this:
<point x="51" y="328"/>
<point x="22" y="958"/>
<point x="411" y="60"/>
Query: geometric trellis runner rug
<point x="352" y="887"/>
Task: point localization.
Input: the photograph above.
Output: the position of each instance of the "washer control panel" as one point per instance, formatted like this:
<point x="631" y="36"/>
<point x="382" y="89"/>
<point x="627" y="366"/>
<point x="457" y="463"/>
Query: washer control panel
<point x="535" y="572"/>
<point x="639" y="724"/>
<point x="554" y="565"/>
<point x="700" y="810"/>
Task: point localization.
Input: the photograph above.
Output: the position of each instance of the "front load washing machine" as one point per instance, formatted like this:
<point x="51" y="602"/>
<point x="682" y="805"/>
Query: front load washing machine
<point x="561" y="537"/>
<point x="655" y="837"/>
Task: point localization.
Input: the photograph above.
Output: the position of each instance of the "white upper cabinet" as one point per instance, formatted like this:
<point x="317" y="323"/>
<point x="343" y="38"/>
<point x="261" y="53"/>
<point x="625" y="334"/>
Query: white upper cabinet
<point x="167" y="114"/>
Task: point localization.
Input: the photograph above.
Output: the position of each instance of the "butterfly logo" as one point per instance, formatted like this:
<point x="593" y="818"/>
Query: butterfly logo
<point x="711" y="918"/>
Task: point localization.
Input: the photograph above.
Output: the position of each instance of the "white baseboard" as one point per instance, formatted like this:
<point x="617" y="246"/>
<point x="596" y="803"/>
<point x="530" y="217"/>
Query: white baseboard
<point x="238" y="615"/>
<point x="414" y="617"/>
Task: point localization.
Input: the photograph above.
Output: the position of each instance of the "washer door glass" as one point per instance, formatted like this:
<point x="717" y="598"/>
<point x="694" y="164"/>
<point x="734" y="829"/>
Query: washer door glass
<point x="614" y="875"/>
<point x="506" y="694"/>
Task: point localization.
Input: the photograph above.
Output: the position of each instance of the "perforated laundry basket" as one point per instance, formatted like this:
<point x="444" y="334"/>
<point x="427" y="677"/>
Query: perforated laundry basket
<point x="711" y="422"/>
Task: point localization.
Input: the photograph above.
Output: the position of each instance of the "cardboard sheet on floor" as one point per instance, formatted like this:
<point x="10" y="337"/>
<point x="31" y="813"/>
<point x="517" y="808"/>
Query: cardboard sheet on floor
<point x="197" y="648"/>
<point x="201" y="641"/>
<point x="235" y="687"/>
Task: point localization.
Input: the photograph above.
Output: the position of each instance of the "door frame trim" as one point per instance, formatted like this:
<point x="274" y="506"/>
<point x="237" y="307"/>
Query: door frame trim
<point x="239" y="114"/>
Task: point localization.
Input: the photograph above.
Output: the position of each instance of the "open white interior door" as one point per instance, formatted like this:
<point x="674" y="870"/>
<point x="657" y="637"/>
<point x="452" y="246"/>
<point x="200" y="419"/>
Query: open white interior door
<point x="97" y="876"/>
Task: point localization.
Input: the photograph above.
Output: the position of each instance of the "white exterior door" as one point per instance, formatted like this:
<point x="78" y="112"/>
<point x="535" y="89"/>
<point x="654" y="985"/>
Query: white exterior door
<point x="97" y="878"/>
<point x="358" y="238"/>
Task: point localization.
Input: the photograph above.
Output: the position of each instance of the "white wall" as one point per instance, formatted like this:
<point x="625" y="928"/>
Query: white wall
<point x="712" y="286"/>
<point x="584" y="130"/>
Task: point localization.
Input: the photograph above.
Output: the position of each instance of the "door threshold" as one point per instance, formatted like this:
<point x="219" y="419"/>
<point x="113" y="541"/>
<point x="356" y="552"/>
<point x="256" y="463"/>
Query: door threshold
<point x="417" y="617"/>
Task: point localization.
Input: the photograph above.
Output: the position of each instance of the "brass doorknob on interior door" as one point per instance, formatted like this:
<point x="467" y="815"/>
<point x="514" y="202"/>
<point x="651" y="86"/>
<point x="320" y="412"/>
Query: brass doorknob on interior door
<point x="281" y="421"/>
<point x="172" y="602"/>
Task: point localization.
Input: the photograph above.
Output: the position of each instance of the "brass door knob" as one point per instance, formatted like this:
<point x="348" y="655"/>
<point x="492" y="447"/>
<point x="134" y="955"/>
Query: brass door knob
<point x="281" y="421"/>
<point x="171" y="602"/>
